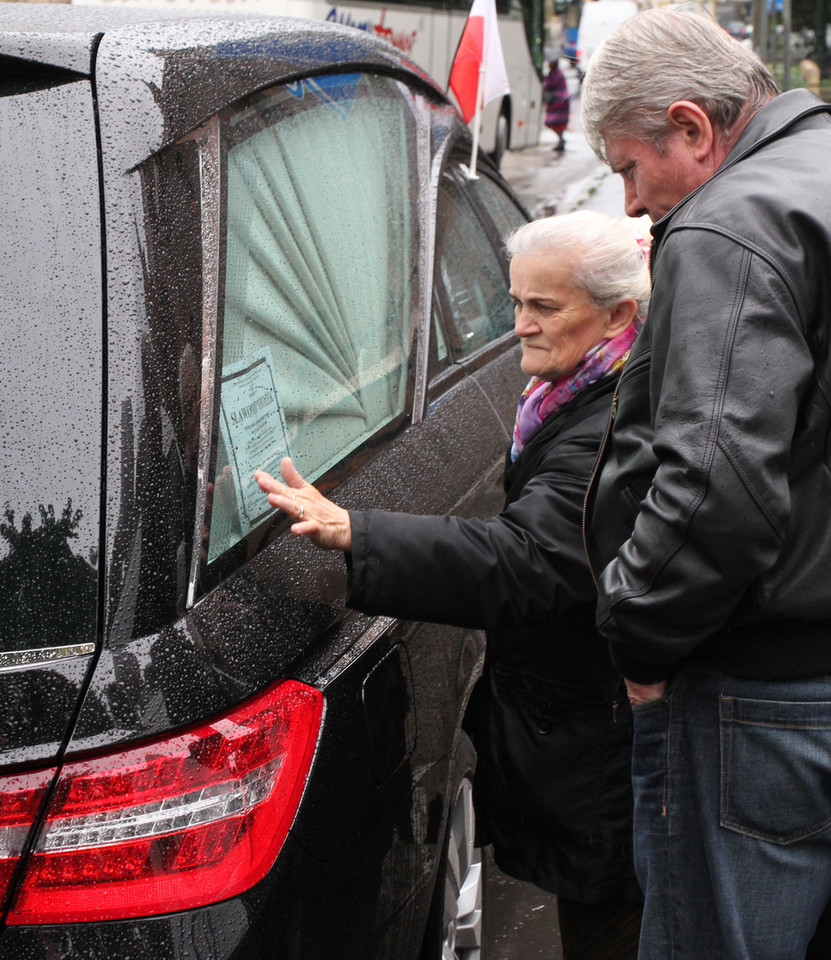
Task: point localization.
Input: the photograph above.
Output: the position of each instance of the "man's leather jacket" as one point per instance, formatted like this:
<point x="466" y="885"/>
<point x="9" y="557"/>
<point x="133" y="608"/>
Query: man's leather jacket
<point x="711" y="518"/>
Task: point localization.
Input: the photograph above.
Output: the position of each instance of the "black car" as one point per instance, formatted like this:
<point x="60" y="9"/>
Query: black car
<point x="224" y="240"/>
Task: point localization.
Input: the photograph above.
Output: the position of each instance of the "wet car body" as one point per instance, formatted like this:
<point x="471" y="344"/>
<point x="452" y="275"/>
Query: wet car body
<point x="136" y="608"/>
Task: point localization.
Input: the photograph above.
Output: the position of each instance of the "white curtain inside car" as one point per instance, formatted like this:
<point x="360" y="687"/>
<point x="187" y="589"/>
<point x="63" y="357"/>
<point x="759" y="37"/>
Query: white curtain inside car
<point x="321" y="260"/>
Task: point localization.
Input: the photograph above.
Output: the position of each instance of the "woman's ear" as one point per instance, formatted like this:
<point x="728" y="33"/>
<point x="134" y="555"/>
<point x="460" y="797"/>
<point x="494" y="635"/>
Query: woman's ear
<point x="620" y="317"/>
<point x="694" y="125"/>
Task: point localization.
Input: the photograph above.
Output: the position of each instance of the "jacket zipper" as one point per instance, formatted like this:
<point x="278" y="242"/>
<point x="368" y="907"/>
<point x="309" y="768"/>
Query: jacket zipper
<point x="598" y="463"/>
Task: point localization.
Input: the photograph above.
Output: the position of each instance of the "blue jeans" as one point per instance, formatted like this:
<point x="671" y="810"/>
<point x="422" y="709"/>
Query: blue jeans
<point x="732" y="782"/>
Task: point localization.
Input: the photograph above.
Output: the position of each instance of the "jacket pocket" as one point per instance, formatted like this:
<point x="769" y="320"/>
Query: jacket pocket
<point x="559" y="761"/>
<point x="634" y="495"/>
<point x="775" y="768"/>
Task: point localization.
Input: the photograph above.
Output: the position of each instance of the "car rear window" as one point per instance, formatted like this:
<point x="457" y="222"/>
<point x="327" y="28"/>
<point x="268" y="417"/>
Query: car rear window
<point x="50" y="364"/>
<point x="317" y="297"/>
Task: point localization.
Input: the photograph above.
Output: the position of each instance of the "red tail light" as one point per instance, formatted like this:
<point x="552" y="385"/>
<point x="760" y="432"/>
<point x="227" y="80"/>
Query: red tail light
<point x="174" y="823"/>
<point x="20" y="797"/>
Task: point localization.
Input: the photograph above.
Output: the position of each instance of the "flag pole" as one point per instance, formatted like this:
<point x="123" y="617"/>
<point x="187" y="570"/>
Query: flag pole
<point x="480" y="86"/>
<point x="478" y="68"/>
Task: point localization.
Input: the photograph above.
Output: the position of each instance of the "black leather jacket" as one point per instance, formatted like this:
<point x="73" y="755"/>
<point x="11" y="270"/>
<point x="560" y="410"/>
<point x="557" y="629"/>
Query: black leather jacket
<point x="711" y="519"/>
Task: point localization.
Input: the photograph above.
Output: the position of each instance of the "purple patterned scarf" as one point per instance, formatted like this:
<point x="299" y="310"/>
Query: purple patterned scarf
<point x="541" y="398"/>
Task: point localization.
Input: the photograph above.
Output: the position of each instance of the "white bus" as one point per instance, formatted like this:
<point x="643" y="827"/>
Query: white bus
<point x="429" y="34"/>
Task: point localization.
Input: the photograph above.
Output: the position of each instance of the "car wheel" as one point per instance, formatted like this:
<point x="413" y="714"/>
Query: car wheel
<point x="501" y="144"/>
<point x="455" y="929"/>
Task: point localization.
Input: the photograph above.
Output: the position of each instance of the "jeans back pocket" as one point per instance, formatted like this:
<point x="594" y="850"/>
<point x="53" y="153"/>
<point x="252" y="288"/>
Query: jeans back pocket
<point x="775" y="768"/>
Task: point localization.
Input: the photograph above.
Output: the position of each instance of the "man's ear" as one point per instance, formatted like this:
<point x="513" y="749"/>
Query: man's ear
<point x="694" y="125"/>
<point x="620" y="317"/>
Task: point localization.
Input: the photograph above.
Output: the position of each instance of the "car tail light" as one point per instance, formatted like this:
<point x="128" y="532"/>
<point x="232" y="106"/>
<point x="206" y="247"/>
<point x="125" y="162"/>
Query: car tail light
<point x="20" y="798"/>
<point x="177" y="822"/>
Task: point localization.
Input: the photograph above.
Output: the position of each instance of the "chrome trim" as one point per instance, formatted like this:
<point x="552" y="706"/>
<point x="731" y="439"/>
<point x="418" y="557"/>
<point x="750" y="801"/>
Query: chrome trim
<point x="427" y="218"/>
<point x="376" y="629"/>
<point x="15" y="659"/>
<point x="209" y="173"/>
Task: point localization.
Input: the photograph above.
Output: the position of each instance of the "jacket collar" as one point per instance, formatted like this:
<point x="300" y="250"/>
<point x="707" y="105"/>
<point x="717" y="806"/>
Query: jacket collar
<point x="771" y="121"/>
<point x="768" y="123"/>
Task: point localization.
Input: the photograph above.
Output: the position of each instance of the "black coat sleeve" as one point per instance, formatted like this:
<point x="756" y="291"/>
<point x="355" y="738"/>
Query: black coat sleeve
<point x="525" y="566"/>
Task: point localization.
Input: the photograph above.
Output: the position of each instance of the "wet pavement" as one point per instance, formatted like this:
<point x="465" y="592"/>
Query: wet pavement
<point x="520" y="920"/>
<point x="549" y="181"/>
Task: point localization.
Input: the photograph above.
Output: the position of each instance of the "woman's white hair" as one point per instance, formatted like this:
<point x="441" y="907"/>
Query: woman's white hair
<point x="658" y="57"/>
<point x="610" y="264"/>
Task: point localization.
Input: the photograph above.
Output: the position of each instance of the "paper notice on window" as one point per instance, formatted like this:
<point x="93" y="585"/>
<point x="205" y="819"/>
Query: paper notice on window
<point x="253" y="429"/>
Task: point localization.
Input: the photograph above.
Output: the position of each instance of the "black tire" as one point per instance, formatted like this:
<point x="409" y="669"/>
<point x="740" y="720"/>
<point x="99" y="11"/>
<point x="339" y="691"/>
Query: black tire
<point x="502" y="135"/>
<point x="455" y="927"/>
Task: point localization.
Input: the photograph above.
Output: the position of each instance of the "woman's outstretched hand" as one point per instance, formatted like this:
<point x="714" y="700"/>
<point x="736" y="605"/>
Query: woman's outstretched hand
<point x="325" y="523"/>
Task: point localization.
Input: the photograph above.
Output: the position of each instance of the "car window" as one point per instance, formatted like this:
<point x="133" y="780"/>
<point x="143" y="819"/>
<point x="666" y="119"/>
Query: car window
<point x="439" y="338"/>
<point x="473" y="282"/>
<point x="320" y="274"/>
<point x="498" y="205"/>
<point x="50" y="364"/>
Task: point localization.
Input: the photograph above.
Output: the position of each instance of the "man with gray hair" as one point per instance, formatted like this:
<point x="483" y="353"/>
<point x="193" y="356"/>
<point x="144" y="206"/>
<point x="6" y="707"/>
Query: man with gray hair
<point x="709" y="526"/>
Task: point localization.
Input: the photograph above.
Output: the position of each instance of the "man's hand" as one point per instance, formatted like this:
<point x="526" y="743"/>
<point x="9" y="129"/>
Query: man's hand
<point x="645" y="692"/>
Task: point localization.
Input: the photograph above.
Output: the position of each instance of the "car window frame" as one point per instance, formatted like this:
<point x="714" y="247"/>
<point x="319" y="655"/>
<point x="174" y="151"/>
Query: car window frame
<point x="213" y="201"/>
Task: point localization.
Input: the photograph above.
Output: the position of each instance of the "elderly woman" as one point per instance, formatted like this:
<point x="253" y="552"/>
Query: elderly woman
<point x="553" y="791"/>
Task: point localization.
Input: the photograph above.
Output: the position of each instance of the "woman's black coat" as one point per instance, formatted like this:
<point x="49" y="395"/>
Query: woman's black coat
<point x="553" y="729"/>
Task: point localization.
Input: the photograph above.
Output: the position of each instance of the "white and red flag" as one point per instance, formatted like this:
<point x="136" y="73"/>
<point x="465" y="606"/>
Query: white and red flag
<point x="478" y="74"/>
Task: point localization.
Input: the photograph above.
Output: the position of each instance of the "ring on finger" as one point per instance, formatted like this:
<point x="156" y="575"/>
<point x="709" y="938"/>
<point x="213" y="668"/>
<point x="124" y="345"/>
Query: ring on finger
<point x="302" y="511"/>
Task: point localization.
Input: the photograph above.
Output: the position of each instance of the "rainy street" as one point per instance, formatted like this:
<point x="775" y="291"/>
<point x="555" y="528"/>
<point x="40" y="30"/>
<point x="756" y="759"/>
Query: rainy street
<point x="316" y="466"/>
<point x="549" y="182"/>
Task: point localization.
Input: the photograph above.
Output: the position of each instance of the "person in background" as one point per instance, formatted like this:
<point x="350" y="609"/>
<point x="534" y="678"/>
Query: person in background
<point x="557" y="101"/>
<point x="553" y="732"/>
<point x="710" y="527"/>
